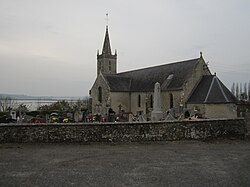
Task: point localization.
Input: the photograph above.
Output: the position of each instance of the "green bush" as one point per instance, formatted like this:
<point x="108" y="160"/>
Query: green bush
<point x="33" y="113"/>
<point x="6" y="113"/>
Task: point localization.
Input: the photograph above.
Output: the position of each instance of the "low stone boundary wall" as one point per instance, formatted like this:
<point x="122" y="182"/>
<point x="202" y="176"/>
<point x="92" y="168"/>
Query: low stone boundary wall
<point x="124" y="132"/>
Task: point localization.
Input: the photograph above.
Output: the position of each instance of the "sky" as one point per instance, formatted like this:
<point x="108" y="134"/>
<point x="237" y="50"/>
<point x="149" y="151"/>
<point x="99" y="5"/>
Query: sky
<point x="49" y="47"/>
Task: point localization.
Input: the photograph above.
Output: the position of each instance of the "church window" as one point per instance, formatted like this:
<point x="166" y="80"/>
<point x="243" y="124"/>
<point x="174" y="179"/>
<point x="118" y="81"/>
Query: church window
<point x="171" y="100"/>
<point x="139" y="100"/>
<point x="100" y="94"/>
<point x="151" y="101"/>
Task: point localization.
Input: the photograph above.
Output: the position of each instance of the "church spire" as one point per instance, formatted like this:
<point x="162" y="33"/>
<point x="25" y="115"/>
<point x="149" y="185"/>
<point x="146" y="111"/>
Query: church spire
<point x="106" y="45"/>
<point x="106" y="62"/>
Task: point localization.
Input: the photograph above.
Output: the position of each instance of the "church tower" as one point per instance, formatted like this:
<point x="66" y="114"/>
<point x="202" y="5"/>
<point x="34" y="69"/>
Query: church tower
<point x="106" y="62"/>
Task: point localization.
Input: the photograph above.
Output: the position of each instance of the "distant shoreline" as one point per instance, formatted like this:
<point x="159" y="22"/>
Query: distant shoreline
<point x="52" y="98"/>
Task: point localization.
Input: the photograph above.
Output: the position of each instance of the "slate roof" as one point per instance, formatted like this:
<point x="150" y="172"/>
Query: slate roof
<point x="211" y="90"/>
<point x="118" y="83"/>
<point x="171" y="77"/>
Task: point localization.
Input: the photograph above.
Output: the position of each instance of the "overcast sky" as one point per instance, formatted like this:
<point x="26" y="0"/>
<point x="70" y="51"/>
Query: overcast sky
<point x="48" y="47"/>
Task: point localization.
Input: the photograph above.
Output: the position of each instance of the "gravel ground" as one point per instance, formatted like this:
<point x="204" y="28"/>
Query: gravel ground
<point x="180" y="163"/>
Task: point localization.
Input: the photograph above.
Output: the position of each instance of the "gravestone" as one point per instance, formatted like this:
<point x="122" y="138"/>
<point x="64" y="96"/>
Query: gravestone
<point x="142" y="118"/>
<point x="157" y="113"/>
<point x="130" y="118"/>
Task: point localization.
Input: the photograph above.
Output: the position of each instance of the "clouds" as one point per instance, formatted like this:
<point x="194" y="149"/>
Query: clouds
<point x="51" y="42"/>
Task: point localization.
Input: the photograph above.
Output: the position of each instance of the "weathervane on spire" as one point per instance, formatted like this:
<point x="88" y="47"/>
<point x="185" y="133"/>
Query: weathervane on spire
<point x="107" y="19"/>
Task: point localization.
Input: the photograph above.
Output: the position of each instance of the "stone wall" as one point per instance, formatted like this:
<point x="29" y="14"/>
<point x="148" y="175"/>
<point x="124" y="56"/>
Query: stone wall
<point x="221" y="110"/>
<point x="124" y="132"/>
<point x="212" y="111"/>
<point x="119" y="98"/>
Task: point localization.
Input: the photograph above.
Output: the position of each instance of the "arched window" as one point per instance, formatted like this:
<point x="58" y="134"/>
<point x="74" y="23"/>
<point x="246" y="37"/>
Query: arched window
<point x="139" y="100"/>
<point x="151" y="101"/>
<point x="171" y="100"/>
<point x="100" y="94"/>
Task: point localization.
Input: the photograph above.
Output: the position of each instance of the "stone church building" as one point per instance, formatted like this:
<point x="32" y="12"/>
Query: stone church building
<point x="185" y="86"/>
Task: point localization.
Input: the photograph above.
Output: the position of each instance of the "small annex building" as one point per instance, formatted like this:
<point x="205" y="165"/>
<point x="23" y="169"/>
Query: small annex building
<point x="212" y="99"/>
<point x="185" y="85"/>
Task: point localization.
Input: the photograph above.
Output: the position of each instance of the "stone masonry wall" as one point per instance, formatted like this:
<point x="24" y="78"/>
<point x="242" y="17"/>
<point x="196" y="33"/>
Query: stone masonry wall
<point x="98" y="107"/>
<point x="123" y="132"/>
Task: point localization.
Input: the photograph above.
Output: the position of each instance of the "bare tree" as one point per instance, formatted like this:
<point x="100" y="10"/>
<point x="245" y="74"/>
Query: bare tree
<point x="249" y="91"/>
<point x="245" y="91"/>
<point x="237" y="91"/>
<point x="6" y="103"/>
<point x="240" y="88"/>
<point x="22" y="109"/>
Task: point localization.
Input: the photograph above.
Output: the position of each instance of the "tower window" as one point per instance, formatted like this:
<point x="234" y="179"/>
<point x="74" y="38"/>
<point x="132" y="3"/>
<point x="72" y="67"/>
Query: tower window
<point x="100" y="94"/>
<point x="109" y="65"/>
<point x="139" y="100"/>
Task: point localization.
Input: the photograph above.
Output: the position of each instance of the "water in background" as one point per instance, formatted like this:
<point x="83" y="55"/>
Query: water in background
<point x="33" y="104"/>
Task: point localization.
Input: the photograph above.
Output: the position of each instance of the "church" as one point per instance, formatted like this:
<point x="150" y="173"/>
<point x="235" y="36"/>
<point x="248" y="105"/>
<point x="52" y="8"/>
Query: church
<point x="186" y="85"/>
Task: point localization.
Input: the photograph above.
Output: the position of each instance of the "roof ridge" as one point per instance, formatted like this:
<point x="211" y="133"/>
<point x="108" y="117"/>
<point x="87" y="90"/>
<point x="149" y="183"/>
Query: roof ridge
<point x="115" y="75"/>
<point x="209" y="90"/>
<point x="222" y="91"/>
<point x="171" y="63"/>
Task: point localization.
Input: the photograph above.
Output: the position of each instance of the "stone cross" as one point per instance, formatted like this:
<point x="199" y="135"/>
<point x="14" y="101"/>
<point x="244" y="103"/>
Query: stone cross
<point x="120" y="107"/>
